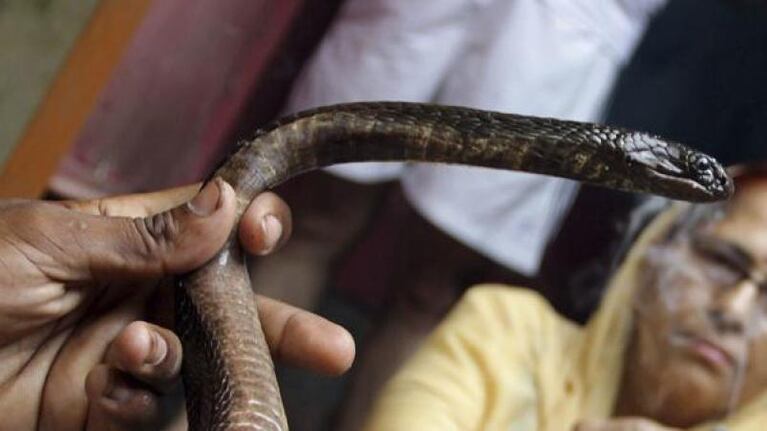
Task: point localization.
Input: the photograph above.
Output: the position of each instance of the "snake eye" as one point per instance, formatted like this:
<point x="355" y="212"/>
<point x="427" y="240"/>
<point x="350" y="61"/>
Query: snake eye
<point x="702" y="164"/>
<point x="704" y="169"/>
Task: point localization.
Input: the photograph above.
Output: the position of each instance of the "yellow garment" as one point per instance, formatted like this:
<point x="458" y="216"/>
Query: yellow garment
<point x="504" y="360"/>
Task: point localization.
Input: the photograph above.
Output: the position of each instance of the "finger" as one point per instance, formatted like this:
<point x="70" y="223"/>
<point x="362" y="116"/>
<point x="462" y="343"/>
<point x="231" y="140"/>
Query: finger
<point x="148" y="353"/>
<point x="257" y="234"/>
<point x="171" y="242"/>
<point x="136" y="205"/>
<point x="266" y="224"/>
<point x="117" y="402"/>
<point x="304" y="339"/>
<point x="64" y="405"/>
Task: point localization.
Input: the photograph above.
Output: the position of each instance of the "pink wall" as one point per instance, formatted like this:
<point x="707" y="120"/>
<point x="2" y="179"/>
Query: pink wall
<point x="175" y="95"/>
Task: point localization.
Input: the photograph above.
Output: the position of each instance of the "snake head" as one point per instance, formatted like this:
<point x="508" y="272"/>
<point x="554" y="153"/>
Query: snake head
<point x="680" y="172"/>
<point x="709" y="175"/>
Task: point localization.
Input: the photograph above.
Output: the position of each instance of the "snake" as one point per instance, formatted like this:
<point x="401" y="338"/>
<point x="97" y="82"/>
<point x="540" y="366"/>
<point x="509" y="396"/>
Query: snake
<point x="227" y="369"/>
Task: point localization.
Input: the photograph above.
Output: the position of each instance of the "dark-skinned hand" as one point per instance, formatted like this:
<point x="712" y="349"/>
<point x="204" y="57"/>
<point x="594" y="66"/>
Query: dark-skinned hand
<point x="86" y="305"/>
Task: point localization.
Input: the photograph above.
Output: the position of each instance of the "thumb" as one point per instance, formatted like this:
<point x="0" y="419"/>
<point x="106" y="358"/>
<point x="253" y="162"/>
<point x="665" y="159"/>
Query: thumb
<point x="170" y="242"/>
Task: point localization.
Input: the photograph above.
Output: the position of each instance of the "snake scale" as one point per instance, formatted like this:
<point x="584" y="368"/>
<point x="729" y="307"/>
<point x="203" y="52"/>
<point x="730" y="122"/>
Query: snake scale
<point x="228" y="373"/>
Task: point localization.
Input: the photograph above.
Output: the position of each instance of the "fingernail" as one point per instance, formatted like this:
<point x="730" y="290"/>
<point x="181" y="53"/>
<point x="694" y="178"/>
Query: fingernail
<point x="206" y="201"/>
<point x="116" y="390"/>
<point x="157" y="350"/>
<point x="272" y="232"/>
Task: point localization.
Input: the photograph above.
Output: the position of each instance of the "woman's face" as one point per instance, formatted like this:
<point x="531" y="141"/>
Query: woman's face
<point x="701" y="319"/>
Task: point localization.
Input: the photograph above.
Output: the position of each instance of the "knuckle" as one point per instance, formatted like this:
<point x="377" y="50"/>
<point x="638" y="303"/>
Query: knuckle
<point x="156" y="233"/>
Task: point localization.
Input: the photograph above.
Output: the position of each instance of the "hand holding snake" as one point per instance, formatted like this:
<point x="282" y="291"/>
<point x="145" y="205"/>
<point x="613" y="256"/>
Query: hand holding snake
<point x="86" y="296"/>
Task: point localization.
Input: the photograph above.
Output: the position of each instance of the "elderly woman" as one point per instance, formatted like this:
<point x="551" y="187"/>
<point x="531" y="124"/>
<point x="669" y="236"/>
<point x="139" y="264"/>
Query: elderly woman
<point x="680" y="341"/>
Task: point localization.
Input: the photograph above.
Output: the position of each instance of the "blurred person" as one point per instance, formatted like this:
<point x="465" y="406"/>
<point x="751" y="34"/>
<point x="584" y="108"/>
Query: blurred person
<point x="547" y="58"/>
<point x="86" y="305"/>
<point x="679" y="342"/>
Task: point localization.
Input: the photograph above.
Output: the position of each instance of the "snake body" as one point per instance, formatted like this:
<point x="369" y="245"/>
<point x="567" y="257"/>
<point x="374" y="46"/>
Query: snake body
<point x="228" y="372"/>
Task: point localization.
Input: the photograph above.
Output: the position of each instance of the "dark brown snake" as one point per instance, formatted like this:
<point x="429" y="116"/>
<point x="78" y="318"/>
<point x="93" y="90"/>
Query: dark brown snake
<point x="228" y="372"/>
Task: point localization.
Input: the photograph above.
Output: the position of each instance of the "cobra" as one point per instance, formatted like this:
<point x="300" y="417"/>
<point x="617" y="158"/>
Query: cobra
<point x="228" y="373"/>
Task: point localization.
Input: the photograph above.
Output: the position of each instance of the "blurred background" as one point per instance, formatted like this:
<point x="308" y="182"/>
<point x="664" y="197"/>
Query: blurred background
<point x="99" y="97"/>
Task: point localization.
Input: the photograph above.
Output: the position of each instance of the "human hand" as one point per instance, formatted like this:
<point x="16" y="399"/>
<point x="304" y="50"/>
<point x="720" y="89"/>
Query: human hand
<point x="621" y="424"/>
<point x="85" y="301"/>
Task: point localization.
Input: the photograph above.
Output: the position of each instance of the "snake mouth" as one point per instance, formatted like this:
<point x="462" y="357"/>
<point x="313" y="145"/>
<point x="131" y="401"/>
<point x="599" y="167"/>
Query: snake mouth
<point x="681" y="188"/>
<point x="679" y="172"/>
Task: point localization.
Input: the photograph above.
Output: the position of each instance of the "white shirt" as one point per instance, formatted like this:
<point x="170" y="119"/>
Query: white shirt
<point x="555" y="58"/>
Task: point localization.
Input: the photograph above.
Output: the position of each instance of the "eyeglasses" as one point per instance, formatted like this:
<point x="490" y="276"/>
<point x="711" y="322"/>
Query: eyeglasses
<point x="720" y="263"/>
<point x="731" y="256"/>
